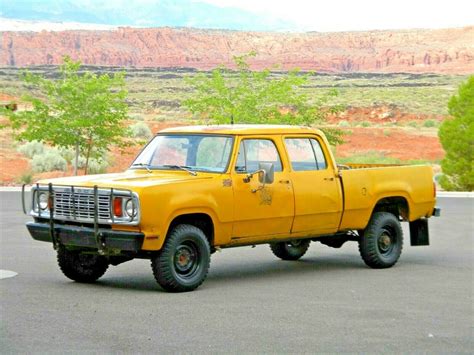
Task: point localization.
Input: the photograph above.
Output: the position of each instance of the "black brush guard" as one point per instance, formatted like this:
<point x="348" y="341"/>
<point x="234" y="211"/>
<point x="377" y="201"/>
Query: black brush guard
<point x="105" y="240"/>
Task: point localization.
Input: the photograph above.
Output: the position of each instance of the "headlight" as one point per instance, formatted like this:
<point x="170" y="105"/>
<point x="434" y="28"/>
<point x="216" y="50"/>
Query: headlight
<point x="43" y="200"/>
<point x="130" y="208"/>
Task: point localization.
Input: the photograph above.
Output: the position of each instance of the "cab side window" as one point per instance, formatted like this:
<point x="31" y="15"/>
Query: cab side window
<point x="318" y="151"/>
<point x="301" y="154"/>
<point x="255" y="151"/>
<point x="305" y="154"/>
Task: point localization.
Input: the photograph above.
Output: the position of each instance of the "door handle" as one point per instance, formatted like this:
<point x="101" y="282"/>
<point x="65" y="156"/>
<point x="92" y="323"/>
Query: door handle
<point x="329" y="179"/>
<point x="284" y="181"/>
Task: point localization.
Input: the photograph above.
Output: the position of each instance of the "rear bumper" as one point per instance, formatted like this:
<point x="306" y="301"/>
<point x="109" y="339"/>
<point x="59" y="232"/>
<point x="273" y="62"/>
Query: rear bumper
<point x="436" y="212"/>
<point x="85" y="237"/>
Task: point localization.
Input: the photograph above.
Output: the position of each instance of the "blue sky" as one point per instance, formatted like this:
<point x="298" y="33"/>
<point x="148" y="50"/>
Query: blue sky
<point x="259" y="15"/>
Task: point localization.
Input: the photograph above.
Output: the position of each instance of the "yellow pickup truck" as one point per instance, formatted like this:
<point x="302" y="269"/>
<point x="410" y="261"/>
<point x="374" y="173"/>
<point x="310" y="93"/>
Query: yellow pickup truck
<point x="194" y="190"/>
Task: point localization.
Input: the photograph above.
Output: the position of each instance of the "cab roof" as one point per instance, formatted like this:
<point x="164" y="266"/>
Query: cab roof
<point x="243" y="129"/>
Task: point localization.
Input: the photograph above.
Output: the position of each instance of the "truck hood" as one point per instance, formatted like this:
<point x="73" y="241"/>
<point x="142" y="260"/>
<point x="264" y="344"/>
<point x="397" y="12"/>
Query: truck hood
<point x="130" y="179"/>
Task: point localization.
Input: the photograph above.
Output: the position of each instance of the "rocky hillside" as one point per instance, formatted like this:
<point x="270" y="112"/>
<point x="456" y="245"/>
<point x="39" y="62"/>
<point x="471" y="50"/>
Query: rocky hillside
<point x="414" y="51"/>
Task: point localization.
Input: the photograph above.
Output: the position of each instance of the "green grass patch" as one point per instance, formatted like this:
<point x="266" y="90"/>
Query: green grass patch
<point x="375" y="157"/>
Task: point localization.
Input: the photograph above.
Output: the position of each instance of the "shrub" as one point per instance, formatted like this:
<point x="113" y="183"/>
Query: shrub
<point x="81" y="162"/>
<point x="429" y="123"/>
<point x="457" y="137"/>
<point x="48" y="161"/>
<point x="413" y="124"/>
<point x="26" y="178"/>
<point x="343" y="123"/>
<point x="97" y="166"/>
<point x="387" y="132"/>
<point x="141" y="130"/>
<point x="67" y="153"/>
<point x="32" y="148"/>
<point x="160" y="118"/>
<point x="365" y="124"/>
<point x="136" y="117"/>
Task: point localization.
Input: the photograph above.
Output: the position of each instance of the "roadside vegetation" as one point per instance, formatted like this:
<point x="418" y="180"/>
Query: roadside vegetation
<point x="243" y="96"/>
<point x="156" y="97"/>
<point x="81" y="111"/>
<point x="457" y="137"/>
<point x="158" y="93"/>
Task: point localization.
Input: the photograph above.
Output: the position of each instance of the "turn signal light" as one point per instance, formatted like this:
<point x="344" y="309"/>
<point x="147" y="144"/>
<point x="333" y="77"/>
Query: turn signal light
<point x="118" y="210"/>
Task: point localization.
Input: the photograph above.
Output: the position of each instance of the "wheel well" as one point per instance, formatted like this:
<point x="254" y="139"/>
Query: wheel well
<point x="199" y="220"/>
<point x="395" y="205"/>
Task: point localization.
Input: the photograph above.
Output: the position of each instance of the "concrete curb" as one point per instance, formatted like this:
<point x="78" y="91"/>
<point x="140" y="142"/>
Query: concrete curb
<point x="462" y="194"/>
<point x="455" y="194"/>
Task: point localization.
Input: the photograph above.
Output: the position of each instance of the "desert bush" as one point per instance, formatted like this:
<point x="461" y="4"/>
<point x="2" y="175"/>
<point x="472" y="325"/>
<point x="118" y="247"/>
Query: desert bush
<point x="387" y="132"/>
<point x="48" y="161"/>
<point x="31" y="149"/>
<point x="344" y="123"/>
<point x="365" y="124"/>
<point x="67" y="153"/>
<point x="429" y="123"/>
<point x="413" y="124"/>
<point x="26" y="178"/>
<point x="141" y="130"/>
<point x="136" y="117"/>
<point x="97" y="166"/>
<point x="160" y="118"/>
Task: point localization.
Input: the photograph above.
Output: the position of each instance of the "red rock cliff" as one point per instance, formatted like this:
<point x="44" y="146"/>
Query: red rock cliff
<point x="416" y="51"/>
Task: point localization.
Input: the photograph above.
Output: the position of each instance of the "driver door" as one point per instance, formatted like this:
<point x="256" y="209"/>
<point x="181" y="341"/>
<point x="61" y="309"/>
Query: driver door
<point x="268" y="211"/>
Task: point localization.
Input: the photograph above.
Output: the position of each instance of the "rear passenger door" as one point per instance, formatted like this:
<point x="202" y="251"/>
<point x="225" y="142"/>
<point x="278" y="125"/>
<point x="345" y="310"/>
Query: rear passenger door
<point x="318" y="200"/>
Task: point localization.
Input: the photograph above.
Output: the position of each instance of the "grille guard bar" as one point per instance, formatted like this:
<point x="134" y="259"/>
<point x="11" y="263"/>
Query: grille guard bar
<point x="111" y="192"/>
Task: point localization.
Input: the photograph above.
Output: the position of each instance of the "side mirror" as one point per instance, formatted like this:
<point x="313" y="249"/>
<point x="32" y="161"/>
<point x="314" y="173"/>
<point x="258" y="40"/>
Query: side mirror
<point x="268" y="173"/>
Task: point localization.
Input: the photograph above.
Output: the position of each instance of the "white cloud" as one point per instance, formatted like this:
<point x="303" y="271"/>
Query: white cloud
<point x="355" y="15"/>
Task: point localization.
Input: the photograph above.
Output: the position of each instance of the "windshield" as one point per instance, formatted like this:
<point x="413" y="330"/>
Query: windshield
<point x="179" y="151"/>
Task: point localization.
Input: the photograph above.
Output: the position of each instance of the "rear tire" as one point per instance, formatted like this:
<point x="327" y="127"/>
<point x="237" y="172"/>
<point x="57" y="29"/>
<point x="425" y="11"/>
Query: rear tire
<point x="183" y="263"/>
<point x="381" y="244"/>
<point x="86" y="268"/>
<point x="292" y="250"/>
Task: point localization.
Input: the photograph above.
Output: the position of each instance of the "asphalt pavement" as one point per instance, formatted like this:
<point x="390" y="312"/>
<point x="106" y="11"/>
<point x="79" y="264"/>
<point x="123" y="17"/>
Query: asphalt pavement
<point x="251" y="302"/>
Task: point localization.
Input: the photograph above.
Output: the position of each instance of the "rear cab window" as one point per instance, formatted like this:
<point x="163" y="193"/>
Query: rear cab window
<point x="305" y="154"/>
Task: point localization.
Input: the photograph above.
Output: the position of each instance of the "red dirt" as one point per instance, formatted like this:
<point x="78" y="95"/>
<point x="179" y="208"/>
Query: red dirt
<point x="394" y="142"/>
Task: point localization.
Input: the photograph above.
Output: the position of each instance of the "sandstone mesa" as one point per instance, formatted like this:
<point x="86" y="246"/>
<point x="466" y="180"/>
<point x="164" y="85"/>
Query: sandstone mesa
<point x="447" y="51"/>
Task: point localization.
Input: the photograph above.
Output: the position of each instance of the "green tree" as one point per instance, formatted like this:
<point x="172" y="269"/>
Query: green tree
<point x="244" y="96"/>
<point x="457" y="137"/>
<point x="83" y="111"/>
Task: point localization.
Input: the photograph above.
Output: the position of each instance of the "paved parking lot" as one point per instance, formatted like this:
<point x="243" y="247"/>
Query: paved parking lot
<point x="329" y="301"/>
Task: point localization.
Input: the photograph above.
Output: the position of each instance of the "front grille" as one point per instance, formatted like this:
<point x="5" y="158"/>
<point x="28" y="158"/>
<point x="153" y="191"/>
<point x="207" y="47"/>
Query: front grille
<point x="80" y="205"/>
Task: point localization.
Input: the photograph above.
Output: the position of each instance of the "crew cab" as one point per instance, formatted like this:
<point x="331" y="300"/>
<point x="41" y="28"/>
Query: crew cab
<point x="194" y="190"/>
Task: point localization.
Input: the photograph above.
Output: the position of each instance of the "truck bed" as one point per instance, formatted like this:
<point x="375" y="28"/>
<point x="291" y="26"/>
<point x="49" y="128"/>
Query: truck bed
<point x="365" y="185"/>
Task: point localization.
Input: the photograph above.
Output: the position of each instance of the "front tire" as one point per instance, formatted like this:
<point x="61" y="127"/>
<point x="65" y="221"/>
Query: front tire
<point x="85" y="268"/>
<point x="381" y="244"/>
<point x="183" y="263"/>
<point x="292" y="250"/>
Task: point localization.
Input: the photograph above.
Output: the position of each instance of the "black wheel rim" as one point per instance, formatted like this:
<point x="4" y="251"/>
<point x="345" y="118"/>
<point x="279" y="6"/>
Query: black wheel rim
<point x="86" y="261"/>
<point x="186" y="259"/>
<point x="294" y="244"/>
<point x="386" y="241"/>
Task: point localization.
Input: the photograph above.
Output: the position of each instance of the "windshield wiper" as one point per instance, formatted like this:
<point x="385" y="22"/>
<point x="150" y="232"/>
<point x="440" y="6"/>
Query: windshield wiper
<point x="182" y="167"/>
<point x="147" y="166"/>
